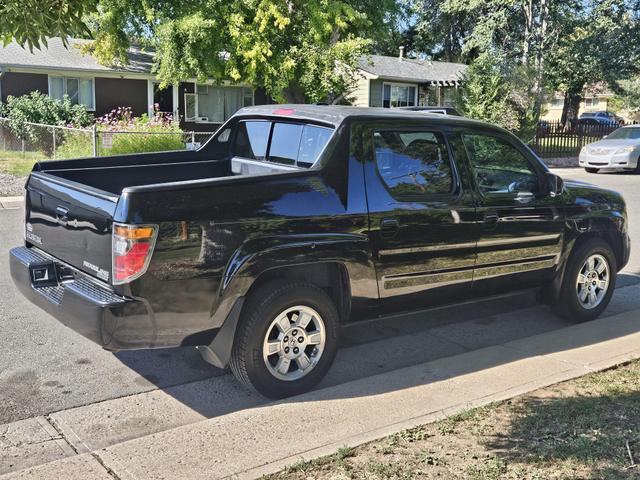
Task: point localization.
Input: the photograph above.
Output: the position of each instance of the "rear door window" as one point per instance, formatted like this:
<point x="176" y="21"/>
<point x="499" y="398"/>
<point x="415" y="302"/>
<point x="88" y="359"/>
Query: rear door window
<point x="413" y="163"/>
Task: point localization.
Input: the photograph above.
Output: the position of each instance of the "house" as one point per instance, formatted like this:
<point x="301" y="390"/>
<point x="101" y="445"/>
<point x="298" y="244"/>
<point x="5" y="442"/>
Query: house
<point x="58" y="71"/>
<point x="594" y="98"/>
<point x="386" y="81"/>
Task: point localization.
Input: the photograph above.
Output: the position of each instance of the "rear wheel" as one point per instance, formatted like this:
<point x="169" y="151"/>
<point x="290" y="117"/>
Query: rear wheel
<point x="286" y="340"/>
<point x="591" y="170"/>
<point x="589" y="281"/>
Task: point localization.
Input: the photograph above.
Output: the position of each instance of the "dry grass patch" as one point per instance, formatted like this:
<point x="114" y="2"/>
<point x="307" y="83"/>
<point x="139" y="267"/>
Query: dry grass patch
<point x="587" y="428"/>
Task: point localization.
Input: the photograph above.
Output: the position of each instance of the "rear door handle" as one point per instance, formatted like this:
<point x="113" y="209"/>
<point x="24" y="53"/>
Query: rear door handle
<point x="491" y="217"/>
<point x="62" y="215"/>
<point x="389" y="227"/>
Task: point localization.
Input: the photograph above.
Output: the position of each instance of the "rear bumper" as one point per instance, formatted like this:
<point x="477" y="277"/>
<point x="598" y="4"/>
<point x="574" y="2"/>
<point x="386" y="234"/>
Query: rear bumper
<point x="80" y="303"/>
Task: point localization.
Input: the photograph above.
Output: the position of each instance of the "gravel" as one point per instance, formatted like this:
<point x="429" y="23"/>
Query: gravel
<point x="11" y="185"/>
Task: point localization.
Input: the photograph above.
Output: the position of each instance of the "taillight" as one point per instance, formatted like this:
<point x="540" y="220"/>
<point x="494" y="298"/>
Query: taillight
<point x="132" y="248"/>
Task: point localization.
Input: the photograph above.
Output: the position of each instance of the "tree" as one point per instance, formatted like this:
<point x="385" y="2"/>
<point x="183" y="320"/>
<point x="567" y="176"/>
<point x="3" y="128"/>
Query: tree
<point x="30" y="22"/>
<point x="627" y="95"/>
<point x="497" y="91"/>
<point x="298" y="50"/>
<point x="598" y="45"/>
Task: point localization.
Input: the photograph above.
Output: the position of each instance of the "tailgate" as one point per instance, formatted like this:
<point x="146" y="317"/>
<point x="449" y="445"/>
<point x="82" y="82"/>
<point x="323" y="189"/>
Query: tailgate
<point x="71" y="222"/>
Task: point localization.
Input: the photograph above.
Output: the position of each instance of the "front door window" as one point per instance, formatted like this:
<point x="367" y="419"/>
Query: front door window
<point x="498" y="166"/>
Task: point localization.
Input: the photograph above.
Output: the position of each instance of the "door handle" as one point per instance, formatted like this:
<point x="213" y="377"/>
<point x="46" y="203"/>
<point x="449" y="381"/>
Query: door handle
<point x="389" y="227"/>
<point x="491" y="217"/>
<point x="62" y="215"/>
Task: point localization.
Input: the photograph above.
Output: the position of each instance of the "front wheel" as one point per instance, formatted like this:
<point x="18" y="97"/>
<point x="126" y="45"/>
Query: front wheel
<point x="591" y="170"/>
<point x="589" y="281"/>
<point x="286" y="340"/>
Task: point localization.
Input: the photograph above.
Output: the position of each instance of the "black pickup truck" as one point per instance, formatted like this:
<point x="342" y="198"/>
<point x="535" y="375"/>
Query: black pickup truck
<point x="295" y="219"/>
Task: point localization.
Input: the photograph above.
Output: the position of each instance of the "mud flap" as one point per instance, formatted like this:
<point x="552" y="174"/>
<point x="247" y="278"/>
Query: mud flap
<point x="218" y="352"/>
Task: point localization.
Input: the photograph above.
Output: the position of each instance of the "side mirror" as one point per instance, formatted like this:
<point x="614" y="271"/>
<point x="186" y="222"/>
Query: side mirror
<point x="555" y="184"/>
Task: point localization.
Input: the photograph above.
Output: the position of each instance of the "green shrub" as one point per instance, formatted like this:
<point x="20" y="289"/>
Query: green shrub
<point x="38" y="107"/>
<point x="75" y="145"/>
<point x="138" y="134"/>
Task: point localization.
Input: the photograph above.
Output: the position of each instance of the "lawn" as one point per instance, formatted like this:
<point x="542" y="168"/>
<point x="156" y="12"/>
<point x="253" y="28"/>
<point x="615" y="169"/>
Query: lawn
<point x="17" y="163"/>
<point x="587" y="428"/>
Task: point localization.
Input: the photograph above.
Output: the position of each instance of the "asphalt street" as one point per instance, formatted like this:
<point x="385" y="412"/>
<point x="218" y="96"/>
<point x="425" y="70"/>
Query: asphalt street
<point x="45" y="367"/>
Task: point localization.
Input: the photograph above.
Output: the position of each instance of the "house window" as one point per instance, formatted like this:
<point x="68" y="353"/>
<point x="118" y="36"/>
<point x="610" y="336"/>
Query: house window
<point x="79" y="90"/>
<point x="216" y="104"/>
<point x="399" y="95"/>
<point x="590" y="102"/>
<point x="449" y="97"/>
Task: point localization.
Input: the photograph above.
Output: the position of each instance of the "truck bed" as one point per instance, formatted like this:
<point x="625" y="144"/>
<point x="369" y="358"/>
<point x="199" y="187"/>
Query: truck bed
<point x="72" y="204"/>
<point x="114" y="174"/>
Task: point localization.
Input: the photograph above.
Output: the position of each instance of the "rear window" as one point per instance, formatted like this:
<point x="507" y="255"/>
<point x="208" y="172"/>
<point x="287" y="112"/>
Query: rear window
<point x="293" y="144"/>
<point x="252" y="140"/>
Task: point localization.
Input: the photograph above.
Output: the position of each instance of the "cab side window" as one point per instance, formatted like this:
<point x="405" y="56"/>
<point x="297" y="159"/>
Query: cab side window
<point x="413" y="163"/>
<point x="498" y="166"/>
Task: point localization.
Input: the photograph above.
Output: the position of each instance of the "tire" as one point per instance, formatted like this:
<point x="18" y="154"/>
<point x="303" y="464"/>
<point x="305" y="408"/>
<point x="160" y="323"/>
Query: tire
<point x="296" y="300"/>
<point x="569" y="304"/>
<point x="591" y="170"/>
<point x="637" y="169"/>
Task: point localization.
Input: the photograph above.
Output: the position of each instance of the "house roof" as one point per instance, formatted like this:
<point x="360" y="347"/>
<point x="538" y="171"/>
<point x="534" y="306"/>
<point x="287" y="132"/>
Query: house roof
<point x="58" y="57"/>
<point x="414" y="70"/>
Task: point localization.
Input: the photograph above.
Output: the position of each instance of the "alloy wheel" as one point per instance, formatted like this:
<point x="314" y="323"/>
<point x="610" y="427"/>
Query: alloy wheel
<point x="593" y="281"/>
<point x="294" y="343"/>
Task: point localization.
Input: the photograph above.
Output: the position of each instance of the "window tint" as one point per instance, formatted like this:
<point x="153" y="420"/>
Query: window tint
<point x="285" y="143"/>
<point x="296" y="144"/>
<point x="313" y="141"/>
<point x="498" y="166"/>
<point x="413" y="162"/>
<point x="291" y="143"/>
<point x="252" y="139"/>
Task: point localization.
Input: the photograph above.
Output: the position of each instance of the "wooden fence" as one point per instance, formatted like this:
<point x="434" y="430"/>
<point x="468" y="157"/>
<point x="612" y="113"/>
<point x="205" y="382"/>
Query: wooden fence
<point x="555" y="140"/>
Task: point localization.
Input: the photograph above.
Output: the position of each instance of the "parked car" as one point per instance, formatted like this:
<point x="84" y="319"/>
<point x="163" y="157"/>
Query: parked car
<point x="294" y="220"/>
<point x="432" y="109"/>
<point x="601" y="118"/>
<point x="619" y="150"/>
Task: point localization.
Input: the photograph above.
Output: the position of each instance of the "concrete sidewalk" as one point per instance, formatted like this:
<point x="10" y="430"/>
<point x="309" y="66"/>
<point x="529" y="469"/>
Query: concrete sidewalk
<point x="255" y="440"/>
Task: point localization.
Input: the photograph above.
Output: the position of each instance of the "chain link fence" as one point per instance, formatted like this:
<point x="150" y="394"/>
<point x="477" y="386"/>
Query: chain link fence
<point x="23" y="144"/>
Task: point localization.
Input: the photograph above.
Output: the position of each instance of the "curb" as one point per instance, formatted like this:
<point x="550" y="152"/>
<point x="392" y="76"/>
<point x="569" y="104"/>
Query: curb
<point x="11" y="202"/>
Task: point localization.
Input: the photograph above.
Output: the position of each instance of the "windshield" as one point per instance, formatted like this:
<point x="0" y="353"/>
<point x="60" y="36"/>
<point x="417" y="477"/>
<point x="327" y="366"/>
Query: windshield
<point x="625" y="134"/>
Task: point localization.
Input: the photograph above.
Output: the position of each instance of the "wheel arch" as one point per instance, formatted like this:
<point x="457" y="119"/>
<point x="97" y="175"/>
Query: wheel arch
<point x="332" y="276"/>
<point x="605" y="230"/>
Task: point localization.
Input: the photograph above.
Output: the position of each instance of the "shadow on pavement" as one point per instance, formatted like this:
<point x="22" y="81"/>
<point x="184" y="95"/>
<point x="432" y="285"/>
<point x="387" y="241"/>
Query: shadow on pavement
<point x="377" y="346"/>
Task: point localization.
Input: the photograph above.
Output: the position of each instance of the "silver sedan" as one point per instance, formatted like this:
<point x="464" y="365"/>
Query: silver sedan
<point x="619" y="150"/>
